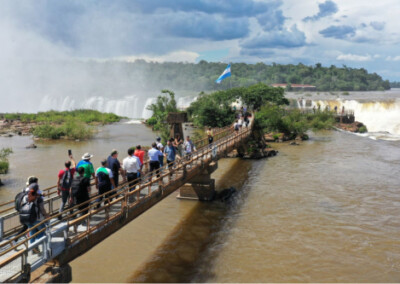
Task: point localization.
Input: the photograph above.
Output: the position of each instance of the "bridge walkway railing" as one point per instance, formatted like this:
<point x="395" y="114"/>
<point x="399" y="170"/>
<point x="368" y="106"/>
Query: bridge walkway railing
<point x="61" y="234"/>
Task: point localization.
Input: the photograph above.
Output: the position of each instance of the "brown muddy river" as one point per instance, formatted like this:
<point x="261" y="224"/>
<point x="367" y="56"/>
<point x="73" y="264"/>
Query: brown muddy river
<point x="325" y="211"/>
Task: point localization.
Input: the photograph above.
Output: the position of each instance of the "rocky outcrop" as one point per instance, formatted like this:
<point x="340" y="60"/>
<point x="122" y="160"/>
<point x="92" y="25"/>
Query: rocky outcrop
<point x="31" y="146"/>
<point x="356" y="127"/>
<point x="9" y="128"/>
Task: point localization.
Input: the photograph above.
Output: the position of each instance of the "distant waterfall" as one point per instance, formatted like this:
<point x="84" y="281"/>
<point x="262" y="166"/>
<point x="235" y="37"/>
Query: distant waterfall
<point x="378" y="116"/>
<point x="129" y="106"/>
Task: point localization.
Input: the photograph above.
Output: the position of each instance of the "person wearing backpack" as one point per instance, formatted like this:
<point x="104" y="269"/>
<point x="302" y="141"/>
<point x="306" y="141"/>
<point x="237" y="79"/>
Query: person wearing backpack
<point x="64" y="183"/>
<point x="32" y="212"/>
<point x="104" y="180"/>
<point x="80" y="189"/>
<point x="18" y="201"/>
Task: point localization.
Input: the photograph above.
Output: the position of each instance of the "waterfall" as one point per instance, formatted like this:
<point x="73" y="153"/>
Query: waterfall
<point x="381" y="116"/>
<point x="132" y="106"/>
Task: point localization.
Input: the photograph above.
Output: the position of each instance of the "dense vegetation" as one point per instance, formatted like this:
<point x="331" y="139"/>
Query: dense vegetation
<point x="142" y="75"/>
<point x="164" y="105"/>
<point x="4" y="164"/>
<point x="68" y="124"/>
<point x="215" y="109"/>
<point x="292" y="123"/>
<point x="71" y="129"/>
<point x="83" y="115"/>
<point x="394" y="84"/>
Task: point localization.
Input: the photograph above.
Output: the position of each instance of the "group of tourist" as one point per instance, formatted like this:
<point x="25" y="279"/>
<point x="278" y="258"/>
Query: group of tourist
<point x="74" y="186"/>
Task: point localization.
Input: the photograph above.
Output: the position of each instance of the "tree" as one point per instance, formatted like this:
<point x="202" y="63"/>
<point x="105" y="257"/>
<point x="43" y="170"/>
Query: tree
<point x="4" y="164"/>
<point x="161" y="108"/>
<point x="259" y="94"/>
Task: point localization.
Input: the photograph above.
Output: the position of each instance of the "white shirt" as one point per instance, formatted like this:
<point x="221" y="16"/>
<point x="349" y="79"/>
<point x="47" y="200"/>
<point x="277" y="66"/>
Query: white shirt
<point x="160" y="146"/>
<point x="131" y="164"/>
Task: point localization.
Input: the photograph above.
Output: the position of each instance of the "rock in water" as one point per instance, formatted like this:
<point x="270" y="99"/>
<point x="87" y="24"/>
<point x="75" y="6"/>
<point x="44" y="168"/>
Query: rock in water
<point x="225" y="194"/>
<point x="1" y="183"/>
<point x="32" y="146"/>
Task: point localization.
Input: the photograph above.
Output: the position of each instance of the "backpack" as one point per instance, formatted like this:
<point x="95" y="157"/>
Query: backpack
<point x="18" y="199"/>
<point x="66" y="181"/>
<point x="27" y="213"/>
<point x="104" y="179"/>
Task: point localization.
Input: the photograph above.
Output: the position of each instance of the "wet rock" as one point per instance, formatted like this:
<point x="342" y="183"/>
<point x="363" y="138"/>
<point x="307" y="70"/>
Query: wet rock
<point x="294" y="143"/>
<point x="1" y="182"/>
<point x="31" y="146"/>
<point x="225" y="194"/>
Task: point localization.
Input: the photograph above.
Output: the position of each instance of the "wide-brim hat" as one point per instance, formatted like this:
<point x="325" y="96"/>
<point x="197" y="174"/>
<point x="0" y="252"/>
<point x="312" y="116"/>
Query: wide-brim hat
<point x="86" y="156"/>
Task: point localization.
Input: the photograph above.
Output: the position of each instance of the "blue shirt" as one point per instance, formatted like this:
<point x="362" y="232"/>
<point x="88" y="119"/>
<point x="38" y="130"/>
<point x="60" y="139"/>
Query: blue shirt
<point x="171" y="152"/>
<point x="154" y="154"/>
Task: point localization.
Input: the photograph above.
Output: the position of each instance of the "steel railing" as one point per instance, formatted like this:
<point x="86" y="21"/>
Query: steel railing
<point x="117" y="203"/>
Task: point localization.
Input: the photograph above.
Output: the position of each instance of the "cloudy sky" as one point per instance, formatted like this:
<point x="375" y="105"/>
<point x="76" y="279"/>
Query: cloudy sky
<point x="355" y="33"/>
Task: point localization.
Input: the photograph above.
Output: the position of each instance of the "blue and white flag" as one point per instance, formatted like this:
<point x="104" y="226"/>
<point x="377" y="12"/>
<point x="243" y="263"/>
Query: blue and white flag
<point x="225" y="74"/>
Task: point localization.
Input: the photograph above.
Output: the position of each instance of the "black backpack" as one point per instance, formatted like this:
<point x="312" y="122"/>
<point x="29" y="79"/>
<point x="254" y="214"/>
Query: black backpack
<point x="66" y="181"/>
<point x="27" y="213"/>
<point x="18" y="199"/>
<point x="104" y="179"/>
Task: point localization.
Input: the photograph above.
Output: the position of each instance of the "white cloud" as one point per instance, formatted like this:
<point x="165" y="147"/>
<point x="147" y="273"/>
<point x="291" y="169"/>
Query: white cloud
<point x="354" y="57"/>
<point x="394" y="58"/>
<point x="175" y="56"/>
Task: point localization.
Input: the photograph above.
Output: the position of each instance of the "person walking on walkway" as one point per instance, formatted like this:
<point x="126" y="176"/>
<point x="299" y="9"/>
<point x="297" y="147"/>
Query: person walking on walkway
<point x="179" y="144"/>
<point x="140" y="154"/>
<point x="210" y="135"/>
<point x="30" y="180"/>
<point x="154" y="156"/>
<point x="189" y="147"/>
<point x="87" y="165"/>
<point x="160" y="147"/>
<point x="132" y="167"/>
<point x="64" y="183"/>
<point x="80" y="190"/>
<point x="170" y="153"/>
<point x="114" y="165"/>
<point x="104" y="180"/>
<point x="32" y="213"/>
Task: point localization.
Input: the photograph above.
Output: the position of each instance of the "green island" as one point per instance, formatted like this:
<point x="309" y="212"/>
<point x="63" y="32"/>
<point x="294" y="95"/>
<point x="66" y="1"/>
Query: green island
<point x="76" y="124"/>
<point x="273" y="116"/>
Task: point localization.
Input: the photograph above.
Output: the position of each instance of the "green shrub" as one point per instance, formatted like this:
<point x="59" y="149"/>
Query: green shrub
<point x="151" y="121"/>
<point x="72" y="129"/>
<point x="4" y="167"/>
<point x="4" y="153"/>
<point x="345" y="93"/>
<point x="363" y="129"/>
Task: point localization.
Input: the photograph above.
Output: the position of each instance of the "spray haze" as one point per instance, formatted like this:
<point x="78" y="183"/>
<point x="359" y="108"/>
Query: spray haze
<point x="69" y="56"/>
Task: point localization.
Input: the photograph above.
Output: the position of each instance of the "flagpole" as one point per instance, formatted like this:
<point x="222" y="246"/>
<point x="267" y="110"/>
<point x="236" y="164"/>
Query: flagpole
<point x="230" y="80"/>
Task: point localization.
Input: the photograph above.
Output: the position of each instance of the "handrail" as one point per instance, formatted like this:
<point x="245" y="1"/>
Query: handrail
<point x="47" y="190"/>
<point x="121" y="195"/>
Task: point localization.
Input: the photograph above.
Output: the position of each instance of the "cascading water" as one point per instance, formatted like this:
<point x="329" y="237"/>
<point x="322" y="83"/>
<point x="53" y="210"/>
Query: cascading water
<point x="129" y="106"/>
<point x="382" y="118"/>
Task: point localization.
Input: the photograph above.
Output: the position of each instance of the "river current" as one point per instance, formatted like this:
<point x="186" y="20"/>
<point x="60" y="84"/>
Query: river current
<point x="325" y="211"/>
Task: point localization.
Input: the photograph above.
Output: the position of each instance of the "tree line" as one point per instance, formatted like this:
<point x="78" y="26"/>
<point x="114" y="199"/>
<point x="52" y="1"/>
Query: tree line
<point x="202" y="76"/>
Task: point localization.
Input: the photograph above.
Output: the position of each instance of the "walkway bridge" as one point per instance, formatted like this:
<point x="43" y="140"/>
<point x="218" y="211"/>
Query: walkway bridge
<point x="75" y="234"/>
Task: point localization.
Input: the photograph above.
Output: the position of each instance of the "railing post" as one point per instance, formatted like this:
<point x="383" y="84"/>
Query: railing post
<point x="1" y="228"/>
<point x="184" y="170"/>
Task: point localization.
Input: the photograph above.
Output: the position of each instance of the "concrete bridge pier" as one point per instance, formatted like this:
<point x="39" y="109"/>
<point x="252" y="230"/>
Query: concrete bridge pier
<point x="52" y="273"/>
<point x="202" y="186"/>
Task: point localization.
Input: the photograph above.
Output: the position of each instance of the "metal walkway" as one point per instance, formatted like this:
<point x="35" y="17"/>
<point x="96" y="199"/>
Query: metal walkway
<point x="76" y="233"/>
